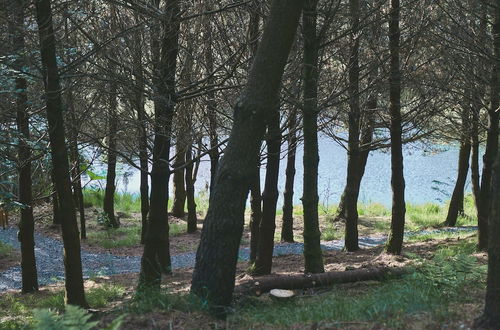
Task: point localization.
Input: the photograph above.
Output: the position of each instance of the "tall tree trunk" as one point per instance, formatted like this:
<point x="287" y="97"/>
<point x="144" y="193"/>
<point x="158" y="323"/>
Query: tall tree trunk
<point x="457" y="198"/>
<point x="287" y="226"/>
<point x="213" y="277"/>
<point x="488" y="159"/>
<point x="56" y="215"/>
<point x="75" y="163"/>
<point x="72" y="256"/>
<point x="491" y="315"/>
<point x="179" y="186"/>
<point x="312" y="236"/>
<point x="395" y="241"/>
<point x="138" y="104"/>
<point x="192" y="220"/>
<point x="27" y="224"/>
<point x="264" y="261"/>
<point x="109" y="192"/>
<point x="156" y="255"/>
<point x="474" y="165"/>
<point x="354" y="157"/>
<point x="211" y="103"/>
<point x="255" y="214"/>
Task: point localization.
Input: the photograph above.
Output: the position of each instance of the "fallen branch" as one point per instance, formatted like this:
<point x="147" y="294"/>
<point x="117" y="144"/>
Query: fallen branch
<point x="293" y="282"/>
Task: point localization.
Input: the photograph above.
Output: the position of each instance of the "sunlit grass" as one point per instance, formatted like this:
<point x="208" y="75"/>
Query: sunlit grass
<point x="124" y="201"/>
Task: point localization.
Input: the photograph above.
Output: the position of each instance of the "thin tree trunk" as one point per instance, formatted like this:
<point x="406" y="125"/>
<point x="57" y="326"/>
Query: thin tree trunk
<point x="474" y="166"/>
<point x="138" y="104"/>
<point x="215" y="269"/>
<point x="211" y="103"/>
<point x="27" y="224"/>
<point x="156" y="255"/>
<point x="264" y="261"/>
<point x="354" y="160"/>
<point x="72" y="256"/>
<point x="287" y="226"/>
<point x="179" y="184"/>
<point x="109" y="192"/>
<point x="255" y="214"/>
<point x="395" y="241"/>
<point x="191" y="203"/>
<point x="312" y="248"/>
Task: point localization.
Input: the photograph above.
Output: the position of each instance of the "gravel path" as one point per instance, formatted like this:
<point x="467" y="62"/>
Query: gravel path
<point x="49" y="257"/>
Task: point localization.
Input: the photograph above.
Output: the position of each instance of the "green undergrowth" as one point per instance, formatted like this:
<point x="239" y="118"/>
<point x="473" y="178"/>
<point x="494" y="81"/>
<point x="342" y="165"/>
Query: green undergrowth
<point x="124" y="201"/>
<point x="17" y="312"/>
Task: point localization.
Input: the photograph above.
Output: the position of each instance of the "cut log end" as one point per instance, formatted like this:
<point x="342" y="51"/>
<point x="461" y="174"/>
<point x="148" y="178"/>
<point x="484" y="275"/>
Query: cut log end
<point x="281" y="294"/>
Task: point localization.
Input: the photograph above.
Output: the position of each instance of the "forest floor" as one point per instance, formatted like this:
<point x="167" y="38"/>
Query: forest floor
<point x="445" y="288"/>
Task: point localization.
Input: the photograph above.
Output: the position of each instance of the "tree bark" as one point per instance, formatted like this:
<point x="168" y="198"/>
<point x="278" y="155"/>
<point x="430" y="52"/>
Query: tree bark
<point x="395" y="241"/>
<point x="491" y="315"/>
<point x="156" y="255"/>
<point x="312" y="249"/>
<point x="109" y="191"/>
<point x="191" y="203"/>
<point x="255" y="214"/>
<point x="27" y="223"/>
<point x="211" y="103"/>
<point x="213" y="277"/>
<point x="179" y="184"/>
<point x="457" y="198"/>
<point x="72" y="258"/>
<point x="354" y="157"/>
<point x="264" y="261"/>
<point x="287" y="226"/>
<point x="297" y="282"/>
<point x="138" y="104"/>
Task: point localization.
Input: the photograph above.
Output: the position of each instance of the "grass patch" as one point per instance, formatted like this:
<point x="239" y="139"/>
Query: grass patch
<point x="331" y="233"/>
<point x="150" y="300"/>
<point x="129" y="236"/>
<point x="124" y="201"/>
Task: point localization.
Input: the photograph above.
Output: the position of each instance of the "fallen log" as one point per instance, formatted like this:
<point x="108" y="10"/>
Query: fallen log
<point x="306" y="281"/>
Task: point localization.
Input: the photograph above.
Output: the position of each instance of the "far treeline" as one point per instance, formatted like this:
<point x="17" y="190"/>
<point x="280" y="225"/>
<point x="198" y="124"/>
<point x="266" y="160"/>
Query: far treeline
<point x="244" y="83"/>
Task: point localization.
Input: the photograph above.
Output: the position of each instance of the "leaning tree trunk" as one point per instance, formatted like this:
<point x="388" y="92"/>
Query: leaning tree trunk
<point x="27" y="224"/>
<point x="312" y="248"/>
<point x="156" y="255"/>
<point x="255" y="214"/>
<point x="457" y="198"/>
<point x="72" y="256"/>
<point x="353" y="162"/>
<point x="395" y="241"/>
<point x="215" y="269"/>
<point x="264" y="261"/>
<point x="287" y="226"/>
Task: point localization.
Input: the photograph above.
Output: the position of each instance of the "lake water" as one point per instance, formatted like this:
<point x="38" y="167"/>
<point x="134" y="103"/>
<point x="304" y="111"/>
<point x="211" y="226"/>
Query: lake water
<point x="429" y="175"/>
